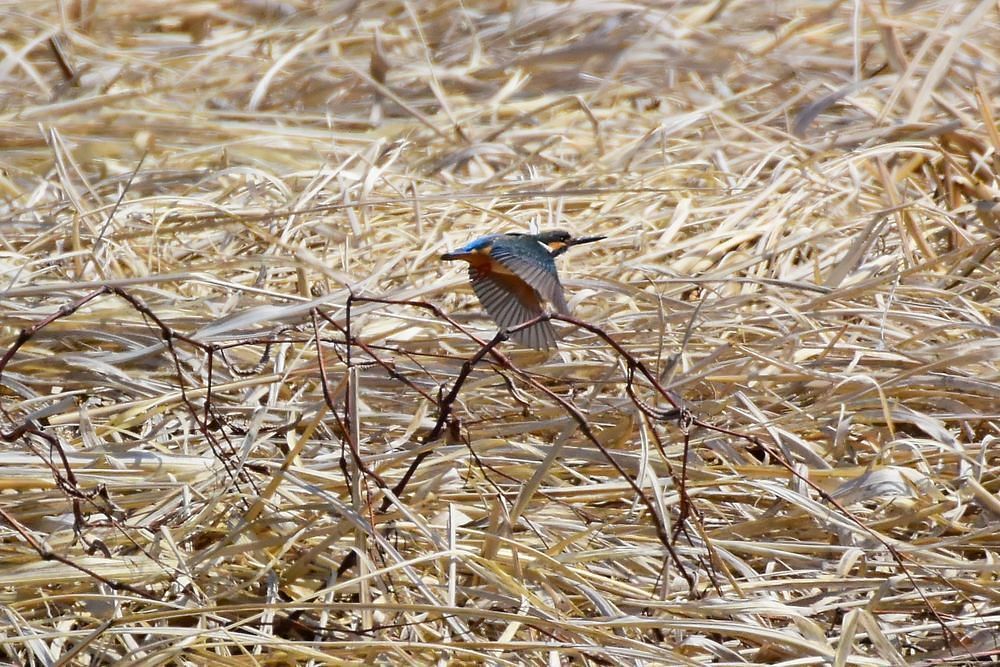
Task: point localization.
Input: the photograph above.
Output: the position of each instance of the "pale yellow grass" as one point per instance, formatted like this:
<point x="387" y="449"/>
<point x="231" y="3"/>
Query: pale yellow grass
<point x="799" y="199"/>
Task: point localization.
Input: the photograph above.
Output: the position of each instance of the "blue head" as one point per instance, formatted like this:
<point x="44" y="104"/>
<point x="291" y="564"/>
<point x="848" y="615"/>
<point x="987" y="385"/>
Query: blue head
<point x="559" y="241"/>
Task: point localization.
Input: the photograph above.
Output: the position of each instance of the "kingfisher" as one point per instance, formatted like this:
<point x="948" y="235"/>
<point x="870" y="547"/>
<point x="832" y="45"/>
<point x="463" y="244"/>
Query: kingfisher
<point x="512" y="274"/>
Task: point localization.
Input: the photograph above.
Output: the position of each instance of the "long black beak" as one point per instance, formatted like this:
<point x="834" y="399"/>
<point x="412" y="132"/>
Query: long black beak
<point x="585" y="239"/>
<point x="450" y="256"/>
<point x="572" y="242"/>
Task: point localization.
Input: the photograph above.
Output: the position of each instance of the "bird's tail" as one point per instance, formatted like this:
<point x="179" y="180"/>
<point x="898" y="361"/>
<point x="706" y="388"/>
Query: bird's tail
<point x="540" y="336"/>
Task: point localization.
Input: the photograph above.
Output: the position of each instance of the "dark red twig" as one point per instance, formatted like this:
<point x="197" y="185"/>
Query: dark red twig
<point x="445" y="420"/>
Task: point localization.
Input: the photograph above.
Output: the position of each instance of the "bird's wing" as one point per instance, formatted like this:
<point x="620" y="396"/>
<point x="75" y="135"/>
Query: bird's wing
<point x="510" y="302"/>
<point x="539" y="272"/>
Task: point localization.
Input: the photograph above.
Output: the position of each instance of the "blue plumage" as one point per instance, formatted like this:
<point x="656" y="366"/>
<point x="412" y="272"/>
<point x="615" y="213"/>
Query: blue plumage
<point x="512" y="274"/>
<point x="478" y="244"/>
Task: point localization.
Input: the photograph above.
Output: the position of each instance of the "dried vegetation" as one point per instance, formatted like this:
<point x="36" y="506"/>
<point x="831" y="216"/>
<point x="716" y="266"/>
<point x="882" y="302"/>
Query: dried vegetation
<point x="801" y="205"/>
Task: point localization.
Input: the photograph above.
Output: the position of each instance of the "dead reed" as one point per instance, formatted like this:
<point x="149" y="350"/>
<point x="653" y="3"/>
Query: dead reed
<point x="769" y="438"/>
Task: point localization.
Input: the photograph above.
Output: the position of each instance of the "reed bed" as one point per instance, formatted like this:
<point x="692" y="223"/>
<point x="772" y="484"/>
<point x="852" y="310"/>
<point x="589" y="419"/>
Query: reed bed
<point x="227" y="336"/>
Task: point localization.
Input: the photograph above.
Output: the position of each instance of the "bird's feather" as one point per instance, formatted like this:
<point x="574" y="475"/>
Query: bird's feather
<point x="530" y="261"/>
<point x="511" y="301"/>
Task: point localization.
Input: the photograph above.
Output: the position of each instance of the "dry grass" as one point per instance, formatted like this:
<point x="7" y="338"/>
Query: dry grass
<point x="800" y="203"/>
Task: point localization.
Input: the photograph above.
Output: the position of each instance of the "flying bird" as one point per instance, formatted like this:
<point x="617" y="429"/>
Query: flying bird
<point x="512" y="274"/>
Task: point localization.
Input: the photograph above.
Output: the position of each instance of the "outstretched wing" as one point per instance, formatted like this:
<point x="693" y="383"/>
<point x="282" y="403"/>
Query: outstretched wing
<point x="532" y="262"/>
<point x="510" y="302"/>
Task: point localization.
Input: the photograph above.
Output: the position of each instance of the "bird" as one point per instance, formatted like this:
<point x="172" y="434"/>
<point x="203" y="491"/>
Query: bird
<point x="513" y="273"/>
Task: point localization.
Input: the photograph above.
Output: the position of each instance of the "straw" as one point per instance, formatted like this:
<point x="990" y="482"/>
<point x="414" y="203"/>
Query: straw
<point x="248" y="416"/>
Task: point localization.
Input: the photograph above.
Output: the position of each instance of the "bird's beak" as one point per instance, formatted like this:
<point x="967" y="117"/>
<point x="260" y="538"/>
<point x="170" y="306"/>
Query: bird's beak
<point x="559" y="248"/>
<point x="585" y="239"/>
<point x="448" y="256"/>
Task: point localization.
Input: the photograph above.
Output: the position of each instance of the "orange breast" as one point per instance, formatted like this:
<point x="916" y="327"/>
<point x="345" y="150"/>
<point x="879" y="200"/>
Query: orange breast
<point x="509" y="281"/>
<point x="486" y="265"/>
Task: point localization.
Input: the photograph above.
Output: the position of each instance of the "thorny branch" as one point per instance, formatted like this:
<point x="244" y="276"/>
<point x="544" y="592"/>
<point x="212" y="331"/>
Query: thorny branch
<point x="445" y="420"/>
<point x="66" y="479"/>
